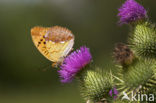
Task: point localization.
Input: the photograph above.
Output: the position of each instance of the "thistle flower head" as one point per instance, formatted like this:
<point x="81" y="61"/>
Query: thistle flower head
<point x="74" y="63"/>
<point x="131" y="11"/>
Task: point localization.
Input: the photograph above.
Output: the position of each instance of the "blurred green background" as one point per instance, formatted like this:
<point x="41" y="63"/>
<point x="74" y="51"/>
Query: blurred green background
<point x="25" y="75"/>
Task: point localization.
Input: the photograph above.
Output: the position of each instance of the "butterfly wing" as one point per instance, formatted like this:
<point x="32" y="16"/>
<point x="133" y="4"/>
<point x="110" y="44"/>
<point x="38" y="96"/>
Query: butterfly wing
<point x="59" y="42"/>
<point x="54" y="43"/>
<point x="38" y="37"/>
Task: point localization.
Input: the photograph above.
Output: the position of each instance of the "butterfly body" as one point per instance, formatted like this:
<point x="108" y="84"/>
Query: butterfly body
<point x="54" y="43"/>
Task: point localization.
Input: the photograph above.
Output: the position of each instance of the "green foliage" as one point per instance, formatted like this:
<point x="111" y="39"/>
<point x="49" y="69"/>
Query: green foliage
<point x="143" y="39"/>
<point x="135" y="73"/>
<point x="139" y="77"/>
<point x="96" y="84"/>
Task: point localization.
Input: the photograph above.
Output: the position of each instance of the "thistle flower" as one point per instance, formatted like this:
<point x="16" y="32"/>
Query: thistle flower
<point x="113" y="93"/>
<point x="74" y="63"/>
<point x="131" y="11"/>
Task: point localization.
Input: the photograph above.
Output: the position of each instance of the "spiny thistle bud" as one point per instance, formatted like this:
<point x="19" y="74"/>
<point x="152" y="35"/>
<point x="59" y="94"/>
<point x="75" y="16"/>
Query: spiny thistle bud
<point x="138" y="78"/>
<point x="96" y="85"/>
<point x="143" y="40"/>
<point x="131" y="11"/>
<point x="122" y="54"/>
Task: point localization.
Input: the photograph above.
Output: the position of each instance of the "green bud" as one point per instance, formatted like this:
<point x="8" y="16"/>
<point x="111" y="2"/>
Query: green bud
<point x="95" y="85"/>
<point x="137" y="78"/>
<point x="143" y="39"/>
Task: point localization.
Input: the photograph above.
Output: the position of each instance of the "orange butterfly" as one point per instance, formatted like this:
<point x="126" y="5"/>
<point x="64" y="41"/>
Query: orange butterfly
<point x="54" y="43"/>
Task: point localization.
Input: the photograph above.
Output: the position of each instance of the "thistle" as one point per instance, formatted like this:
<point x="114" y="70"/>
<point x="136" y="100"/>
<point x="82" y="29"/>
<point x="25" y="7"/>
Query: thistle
<point x="123" y="54"/>
<point x="96" y="86"/>
<point x="143" y="40"/>
<point x="131" y="11"/>
<point x="139" y="77"/>
<point x="135" y="68"/>
<point x="74" y="63"/>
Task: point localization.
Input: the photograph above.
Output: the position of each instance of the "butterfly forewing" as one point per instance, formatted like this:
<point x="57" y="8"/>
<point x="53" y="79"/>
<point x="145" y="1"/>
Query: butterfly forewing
<point x="38" y="37"/>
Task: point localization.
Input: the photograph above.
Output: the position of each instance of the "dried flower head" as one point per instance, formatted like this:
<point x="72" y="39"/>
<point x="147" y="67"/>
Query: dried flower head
<point x="74" y="63"/>
<point x="123" y="54"/>
<point x="131" y="11"/>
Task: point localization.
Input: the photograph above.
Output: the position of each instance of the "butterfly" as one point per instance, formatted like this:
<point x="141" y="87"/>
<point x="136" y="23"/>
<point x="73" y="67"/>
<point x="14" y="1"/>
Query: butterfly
<point x="55" y="43"/>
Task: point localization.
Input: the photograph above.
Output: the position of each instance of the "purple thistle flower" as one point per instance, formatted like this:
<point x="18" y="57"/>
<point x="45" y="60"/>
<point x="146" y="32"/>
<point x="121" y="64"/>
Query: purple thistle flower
<point x="131" y="11"/>
<point x="113" y="93"/>
<point x="74" y="63"/>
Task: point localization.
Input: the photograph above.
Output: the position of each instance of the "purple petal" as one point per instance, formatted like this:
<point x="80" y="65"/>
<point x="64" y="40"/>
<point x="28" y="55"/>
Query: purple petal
<point x="131" y="11"/>
<point x="115" y="91"/>
<point x="110" y="92"/>
<point x="115" y="97"/>
<point x="74" y="63"/>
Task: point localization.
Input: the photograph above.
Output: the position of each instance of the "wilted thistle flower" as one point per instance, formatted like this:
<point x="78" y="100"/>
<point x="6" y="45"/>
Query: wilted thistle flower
<point x="123" y="54"/>
<point x="74" y="63"/>
<point x="131" y="11"/>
